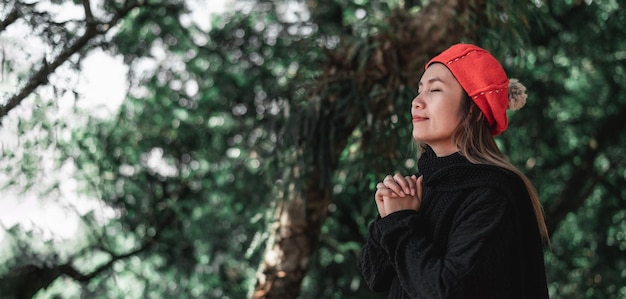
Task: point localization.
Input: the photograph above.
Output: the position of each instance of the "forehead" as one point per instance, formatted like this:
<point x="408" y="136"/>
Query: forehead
<point x="437" y="72"/>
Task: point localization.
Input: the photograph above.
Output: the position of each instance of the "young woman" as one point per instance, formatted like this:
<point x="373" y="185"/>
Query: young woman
<point x="469" y="224"/>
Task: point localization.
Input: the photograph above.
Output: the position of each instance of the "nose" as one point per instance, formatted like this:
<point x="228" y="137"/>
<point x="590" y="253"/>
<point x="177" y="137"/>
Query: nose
<point x="417" y="102"/>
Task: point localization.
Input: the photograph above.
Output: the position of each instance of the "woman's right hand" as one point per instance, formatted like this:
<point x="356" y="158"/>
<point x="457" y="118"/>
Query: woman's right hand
<point x="395" y="193"/>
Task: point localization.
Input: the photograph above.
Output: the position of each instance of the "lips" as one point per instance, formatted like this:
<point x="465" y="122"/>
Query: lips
<point x="417" y="118"/>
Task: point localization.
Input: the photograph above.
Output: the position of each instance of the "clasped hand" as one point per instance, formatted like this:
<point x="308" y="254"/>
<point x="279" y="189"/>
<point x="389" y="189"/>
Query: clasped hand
<point x="396" y="193"/>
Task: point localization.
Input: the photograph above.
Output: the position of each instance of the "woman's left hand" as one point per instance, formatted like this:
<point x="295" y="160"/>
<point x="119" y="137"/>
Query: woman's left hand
<point x="408" y="193"/>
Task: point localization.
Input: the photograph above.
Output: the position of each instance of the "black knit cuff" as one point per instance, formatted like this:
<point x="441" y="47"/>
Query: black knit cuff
<point x="393" y="220"/>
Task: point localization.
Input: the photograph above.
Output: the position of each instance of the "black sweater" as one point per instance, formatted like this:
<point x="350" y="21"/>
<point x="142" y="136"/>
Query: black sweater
<point x="475" y="236"/>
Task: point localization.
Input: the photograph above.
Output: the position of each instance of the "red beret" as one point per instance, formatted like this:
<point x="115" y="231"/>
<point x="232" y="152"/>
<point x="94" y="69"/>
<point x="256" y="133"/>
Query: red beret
<point x="483" y="78"/>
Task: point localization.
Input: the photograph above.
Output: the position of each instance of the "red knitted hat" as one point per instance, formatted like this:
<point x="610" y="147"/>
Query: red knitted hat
<point x="483" y="78"/>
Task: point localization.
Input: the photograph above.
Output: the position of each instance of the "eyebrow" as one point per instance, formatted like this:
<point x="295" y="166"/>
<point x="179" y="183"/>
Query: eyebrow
<point x="431" y="81"/>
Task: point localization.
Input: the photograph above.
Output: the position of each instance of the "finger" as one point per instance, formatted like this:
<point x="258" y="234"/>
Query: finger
<point x="382" y="190"/>
<point x="411" y="181"/>
<point x="390" y="183"/>
<point x="402" y="182"/>
<point x="380" y="205"/>
<point x="388" y="179"/>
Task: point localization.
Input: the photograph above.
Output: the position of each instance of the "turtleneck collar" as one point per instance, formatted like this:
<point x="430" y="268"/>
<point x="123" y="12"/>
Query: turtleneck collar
<point x="454" y="172"/>
<point x="429" y="163"/>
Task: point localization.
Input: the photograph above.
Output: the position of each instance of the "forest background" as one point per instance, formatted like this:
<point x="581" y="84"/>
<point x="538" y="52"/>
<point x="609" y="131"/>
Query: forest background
<point x="242" y="159"/>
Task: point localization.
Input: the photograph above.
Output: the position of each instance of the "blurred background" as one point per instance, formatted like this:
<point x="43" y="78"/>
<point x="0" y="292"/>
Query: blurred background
<point x="230" y="149"/>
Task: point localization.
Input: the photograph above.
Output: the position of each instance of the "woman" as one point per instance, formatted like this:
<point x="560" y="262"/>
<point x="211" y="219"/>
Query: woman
<point x="469" y="225"/>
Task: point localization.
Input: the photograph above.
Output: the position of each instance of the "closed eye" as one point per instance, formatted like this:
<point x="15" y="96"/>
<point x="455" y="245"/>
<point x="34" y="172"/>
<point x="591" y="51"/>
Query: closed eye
<point x="432" y="90"/>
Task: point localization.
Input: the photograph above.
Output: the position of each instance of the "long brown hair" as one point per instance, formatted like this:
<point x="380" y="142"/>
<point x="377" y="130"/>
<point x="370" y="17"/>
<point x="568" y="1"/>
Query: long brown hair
<point x="476" y="143"/>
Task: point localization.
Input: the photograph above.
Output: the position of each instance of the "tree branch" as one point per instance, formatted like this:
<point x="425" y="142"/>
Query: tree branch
<point x="40" y="77"/>
<point x="11" y="17"/>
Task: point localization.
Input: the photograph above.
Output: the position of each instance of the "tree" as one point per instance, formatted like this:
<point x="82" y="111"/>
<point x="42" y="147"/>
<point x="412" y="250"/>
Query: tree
<point x="285" y="122"/>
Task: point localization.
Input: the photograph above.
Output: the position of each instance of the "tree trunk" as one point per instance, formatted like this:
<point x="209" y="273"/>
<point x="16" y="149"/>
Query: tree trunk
<point x="294" y="237"/>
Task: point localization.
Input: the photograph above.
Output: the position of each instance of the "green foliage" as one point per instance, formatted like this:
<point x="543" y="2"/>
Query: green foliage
<point x="567" y="140"/>
<point x="192" y="164"/>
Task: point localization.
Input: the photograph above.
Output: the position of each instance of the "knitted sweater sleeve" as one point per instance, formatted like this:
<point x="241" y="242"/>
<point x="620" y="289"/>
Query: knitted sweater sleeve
<point x="374" y="263"/>
<point x="426" y="272"/>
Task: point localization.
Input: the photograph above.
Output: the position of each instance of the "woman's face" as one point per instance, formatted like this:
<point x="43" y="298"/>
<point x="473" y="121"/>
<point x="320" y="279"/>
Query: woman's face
<point x="436" y="109"/>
